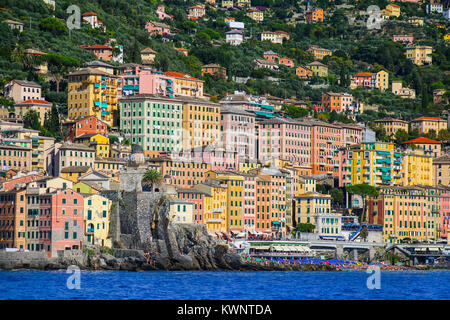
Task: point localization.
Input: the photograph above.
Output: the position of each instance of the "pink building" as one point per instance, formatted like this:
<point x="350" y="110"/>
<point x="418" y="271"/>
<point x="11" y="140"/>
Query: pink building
<point x="217" y="157"/>
<point x="197" y="198"/>
<point x="238" y="130"/>
<point x="156" y="28"/>
<point x="101" y="51"/>
<point x="326" y="139"/>
<point x="284" y="139"/>
<point x="403" y="38"/>
<point x="137" y="79"/>
<point x="249" y="202"/>
<point x="66" y="216"/>
<point x="286" y="62"/>
<point x="161" y="12"/>
<point x="22" y="90"/>
<point x="445" y="213"/>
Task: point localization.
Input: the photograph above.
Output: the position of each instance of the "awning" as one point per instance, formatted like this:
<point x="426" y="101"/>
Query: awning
<point x="261" y="248"/>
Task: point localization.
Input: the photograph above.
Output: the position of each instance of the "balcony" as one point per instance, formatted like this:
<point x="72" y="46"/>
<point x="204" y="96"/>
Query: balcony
<point x="90" y="230"/>
<point x="214" y="220"/>
<point x="217" y="210"/>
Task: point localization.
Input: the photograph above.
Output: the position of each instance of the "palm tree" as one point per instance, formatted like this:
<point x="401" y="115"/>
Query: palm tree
<point x="150" y="178"/>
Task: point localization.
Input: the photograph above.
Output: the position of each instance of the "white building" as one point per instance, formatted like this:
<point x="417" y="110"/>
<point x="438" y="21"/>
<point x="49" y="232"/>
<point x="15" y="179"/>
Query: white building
<point x="234" y="37"/>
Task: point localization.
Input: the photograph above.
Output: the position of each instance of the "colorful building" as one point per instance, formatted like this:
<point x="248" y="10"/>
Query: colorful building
<point x="378" y="80"/>
<point x="419" y="55"/>
<point x="215" y="208"/>
<point x="15" y="157"/>
<point x="201" y="122"/>
<point x="288" y="62"/>
<point x="22" y="90"/>
<point x="425" y="124"/>
<point x="303" y="72"/>
<point x="93" y="92"/>
<point x="314" y="15"/>
<point x="96" y="220"/>
<point x="392" y="125"/>
<point x="85" y="125"/>
<point x="13" y="219"/>
<point x="255" y="14"/>
<point x="430" y="147"/>
<point x="417" y="168"/>
<point x="339" y="102"/>
<point x="319" y="53"/>
<point x="412" y="213"/>
<point x="215" y="70"/>
<point x="238" y="132"/>
<point x="374" y="163"/>
<point x="154" y="123"/>
<point x="41" y="107"/>
<point x="318" y="69"/>
<point x="441" y="170"/>
<point x="71" y="154"/>
<point x="185" y="85"/>
<point x="284" y="139"/>
<point x="271" y="36"/>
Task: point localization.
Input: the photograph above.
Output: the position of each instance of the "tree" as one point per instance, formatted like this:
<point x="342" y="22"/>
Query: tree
<point x="443" y="135"/>
<point x="52" y="124"/>
<point x="150" y="178"/>
<point x="31" y="120"/>
<point x="53" y="25"/>
<point x="59" y="66"/>
<point x="401" y="136"/>
<point x="364" y="190"/>
<point x="337" y="196"/>
<point x="305" y="227"/>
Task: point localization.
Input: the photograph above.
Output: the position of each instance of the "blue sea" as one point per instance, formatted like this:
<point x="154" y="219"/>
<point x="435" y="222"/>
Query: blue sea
<point x="223" y="285"/>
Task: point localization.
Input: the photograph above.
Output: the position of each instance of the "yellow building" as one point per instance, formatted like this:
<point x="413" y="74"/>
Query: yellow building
<point x="93" y="92"/>
<point x="227" y="4"/>
<point x="374" y="163"/>
<point x="41" y="107"/>
<point x="86" y="188"/>
<point x="96" y="220"/>
<point x="255" y="14"/>
<point x="110" y="166"/>
<point x="392" y="125"/>
<point x="417" y="168"/>
<point x="72" y="173"/>
<point x="101" y="144"/>
<point x="181" y="211"/>
<point x="441" y="170"/>
<point x="201" y="122"/>
<point x="419" y="55"/>
<point x="410" y="212"/>
<point x="318" y="69"/>
<point x="319" y="53"/>
<point x="382" y="80"/>
<point x="243" y="3"/>
<point x="416" y="21"/>
<point x="311" y="207"/>
<point x="425" y="124"/>
<point x="96" y="141"/>
<point x="215" y="205"/>
<point x="235" y="200"/>
<point x="247" y="166"/>
<point x="393" y="10"/>
<point x="185" y="85"/>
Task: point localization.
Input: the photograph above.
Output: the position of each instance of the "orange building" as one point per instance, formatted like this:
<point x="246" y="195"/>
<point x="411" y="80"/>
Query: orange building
<point x="314" y="15"/>
<point x="286" y="62"/>
<point x="429" y="146"/>
<point x="303" y="72"/>
<point x="13" y="219"/>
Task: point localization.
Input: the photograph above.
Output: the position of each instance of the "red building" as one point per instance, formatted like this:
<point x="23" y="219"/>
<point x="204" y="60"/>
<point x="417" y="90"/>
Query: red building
<point x="101" y="51"/>
<point x="13" y="219"/>
<point x="65" y="214"/>
<point x="197" y="198"/>
<point x="286" y="62"/>
<point x="86" y="125"/>
<point x="271" y="56"/>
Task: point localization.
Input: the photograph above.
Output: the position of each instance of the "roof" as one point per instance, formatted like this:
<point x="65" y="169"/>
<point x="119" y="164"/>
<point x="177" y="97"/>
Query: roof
<point x="391" y="119"/>
<point x="148" y="50"/>
<point x="27" y="83"/>
<point x="363" y="74"/>
<point x="12" y="21"/>
<point x="316" y="63"/>
<point x="443" y="159"/>
<point x="212" y="65"/>
<point x="234" y="110"/>
<point x="429" y="118"/>
<point x="97" y="46"/>
<point x="181" y="75"/>
<point x="35" y="101"/>
<point x="89" y="14"/>
<point x="270" y="52"/>
<point x="97" y="63"/>
<point x="77" y="169"/>
<point x="422" y="140"/>
<point x="75" y="146"/>
<point x="91" y="71"/>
